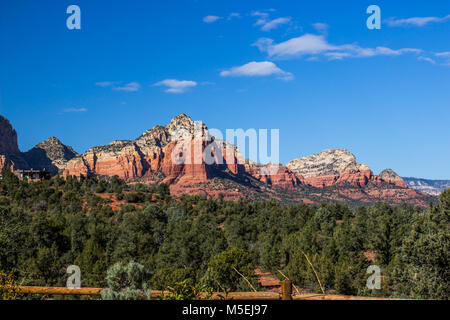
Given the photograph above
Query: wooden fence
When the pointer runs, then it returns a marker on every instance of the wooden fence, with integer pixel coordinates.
(286, 294)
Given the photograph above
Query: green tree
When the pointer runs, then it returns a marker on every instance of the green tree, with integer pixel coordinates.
(222, 272)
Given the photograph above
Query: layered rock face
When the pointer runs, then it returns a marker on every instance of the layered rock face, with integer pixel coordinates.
(390, 176)
(183, 151)
(339, 167)
(184, 155)
(177, 150)
(275, 175)
(326, 163)
(51, 155)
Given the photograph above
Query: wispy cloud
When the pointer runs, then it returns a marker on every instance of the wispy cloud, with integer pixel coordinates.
(115, 85)
(316, 45)
(211, 19)
(104, 84)
(267, 25)
(427, 59)
(257, 69)
(321, 27)
(443, 58)
(176, 86)
(259, 14)
(415, 21)
(68, 110)
(443, 54)
(234, 15)
(129, 87)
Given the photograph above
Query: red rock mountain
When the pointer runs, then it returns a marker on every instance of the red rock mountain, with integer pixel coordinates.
(173, 154)
(184, 155)
(339, 167)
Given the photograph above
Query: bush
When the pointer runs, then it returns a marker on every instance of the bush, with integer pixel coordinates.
(135, 197)
(127, 282)
(8, 287)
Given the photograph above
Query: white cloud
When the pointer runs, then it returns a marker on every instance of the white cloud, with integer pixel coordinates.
(257, 69)
(176, 86)
(75, 110)
(421, 58)
(105, 83)
(443, 54)
(306, 44)
(415, 21)
(321, 27)
(259, 14)
(317, 45)
(273, 24)
(267, 24)
(443, 58)
(129, 87)
(211, 19)
(234, 15)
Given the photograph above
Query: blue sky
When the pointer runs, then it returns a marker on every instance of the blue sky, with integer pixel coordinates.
(309, 68)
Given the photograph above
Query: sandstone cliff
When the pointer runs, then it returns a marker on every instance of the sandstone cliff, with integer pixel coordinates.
(184, 155)
(390, 176)
(172, 150)
(340, 167)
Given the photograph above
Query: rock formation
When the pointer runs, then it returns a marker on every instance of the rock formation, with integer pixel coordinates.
(326, 163)
(8, 137)
(50, 155)
(9, 150)
(433, 187)
(175, 150)
(339, 167)
(184, 155)
(390, 176)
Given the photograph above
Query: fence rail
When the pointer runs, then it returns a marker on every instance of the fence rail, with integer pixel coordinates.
(285, 295)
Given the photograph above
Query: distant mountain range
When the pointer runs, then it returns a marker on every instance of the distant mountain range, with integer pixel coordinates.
(332, 175)
(433, 187)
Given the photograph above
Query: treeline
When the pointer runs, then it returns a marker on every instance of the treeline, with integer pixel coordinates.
(49, 225)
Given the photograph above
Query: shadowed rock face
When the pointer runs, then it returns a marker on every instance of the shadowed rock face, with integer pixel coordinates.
(50, 155)
(8, 137)
(9, 149)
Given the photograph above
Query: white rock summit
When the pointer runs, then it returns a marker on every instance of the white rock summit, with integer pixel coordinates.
(328, 162)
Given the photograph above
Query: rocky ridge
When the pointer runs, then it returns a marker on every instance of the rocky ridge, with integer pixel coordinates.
(433, 187)
(170, 154)
(51, 155)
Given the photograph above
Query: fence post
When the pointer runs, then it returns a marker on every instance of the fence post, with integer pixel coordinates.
(286, 290)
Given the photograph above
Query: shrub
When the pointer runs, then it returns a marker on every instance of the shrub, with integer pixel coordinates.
(127, 282)
(8, 287)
